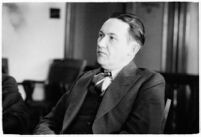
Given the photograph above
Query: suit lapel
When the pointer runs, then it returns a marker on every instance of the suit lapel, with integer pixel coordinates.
(117, 90)
(77, 98)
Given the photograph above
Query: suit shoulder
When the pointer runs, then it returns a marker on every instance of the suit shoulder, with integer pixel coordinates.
(153, 76)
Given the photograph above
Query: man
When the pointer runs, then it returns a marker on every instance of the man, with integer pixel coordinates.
(131, 100)
(15, 112)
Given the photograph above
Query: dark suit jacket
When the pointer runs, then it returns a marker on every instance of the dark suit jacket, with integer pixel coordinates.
(133, 103)
(15, 112)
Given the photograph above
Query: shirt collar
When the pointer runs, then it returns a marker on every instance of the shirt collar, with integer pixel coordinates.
(115, 73)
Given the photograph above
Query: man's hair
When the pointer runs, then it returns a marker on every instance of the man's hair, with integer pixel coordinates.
(136, 27)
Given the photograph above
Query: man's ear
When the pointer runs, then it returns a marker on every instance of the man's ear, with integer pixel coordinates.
(135, 47)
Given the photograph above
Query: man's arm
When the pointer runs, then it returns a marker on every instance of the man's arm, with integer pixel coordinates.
(52, 123)
(146, 115)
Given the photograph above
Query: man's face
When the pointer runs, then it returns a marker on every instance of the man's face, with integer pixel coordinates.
(113, 44)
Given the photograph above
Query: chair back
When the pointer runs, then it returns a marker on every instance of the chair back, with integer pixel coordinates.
(66, 70)
(5, 66)
(62, 74)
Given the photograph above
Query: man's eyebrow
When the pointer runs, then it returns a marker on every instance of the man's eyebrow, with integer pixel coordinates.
(110, 33)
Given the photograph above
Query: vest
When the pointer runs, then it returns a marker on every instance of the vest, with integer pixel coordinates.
(82, 123)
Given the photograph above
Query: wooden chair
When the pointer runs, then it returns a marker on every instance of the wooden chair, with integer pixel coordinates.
(62, 75)
(183, 90)
(165, 113)
(5, 65)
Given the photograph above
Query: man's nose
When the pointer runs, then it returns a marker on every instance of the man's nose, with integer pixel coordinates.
(102, 42)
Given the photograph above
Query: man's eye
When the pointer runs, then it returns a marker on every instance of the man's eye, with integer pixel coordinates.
(100, 35)
(111, 37)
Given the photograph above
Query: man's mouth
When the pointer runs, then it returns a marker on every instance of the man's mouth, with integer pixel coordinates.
(101, 52)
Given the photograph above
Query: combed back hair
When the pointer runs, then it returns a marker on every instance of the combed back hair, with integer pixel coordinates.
(136, 27)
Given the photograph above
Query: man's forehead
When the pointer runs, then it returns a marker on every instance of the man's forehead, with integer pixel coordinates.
(114, 26)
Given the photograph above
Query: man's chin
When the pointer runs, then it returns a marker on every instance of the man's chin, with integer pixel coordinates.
(102, 62)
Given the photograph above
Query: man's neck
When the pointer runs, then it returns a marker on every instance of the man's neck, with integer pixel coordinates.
(116, 71)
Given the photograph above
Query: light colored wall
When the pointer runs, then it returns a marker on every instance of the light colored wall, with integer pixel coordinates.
(30, 39)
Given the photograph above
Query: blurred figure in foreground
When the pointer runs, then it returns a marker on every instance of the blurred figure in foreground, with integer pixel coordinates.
(15, 112)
